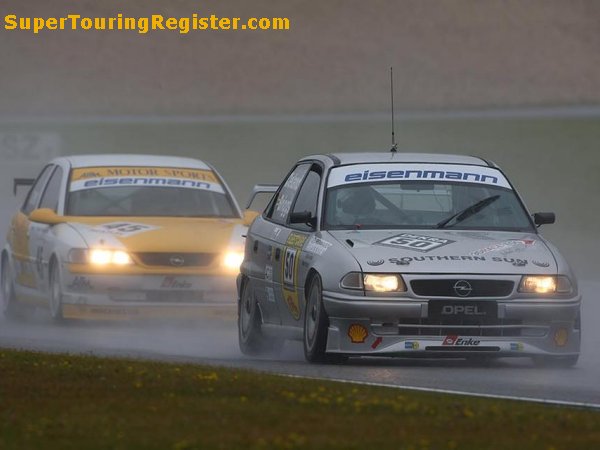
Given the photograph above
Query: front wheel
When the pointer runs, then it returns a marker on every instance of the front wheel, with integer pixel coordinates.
(55, 300)
(316, 324)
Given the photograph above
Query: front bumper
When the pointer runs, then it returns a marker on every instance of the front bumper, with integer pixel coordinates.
(524, 327)
(97, 296)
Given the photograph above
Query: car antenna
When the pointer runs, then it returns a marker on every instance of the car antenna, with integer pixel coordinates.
(394, 148)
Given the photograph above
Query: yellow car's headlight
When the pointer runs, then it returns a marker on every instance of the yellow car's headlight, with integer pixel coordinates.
(233, 260)
(100, 257)
(543, 284)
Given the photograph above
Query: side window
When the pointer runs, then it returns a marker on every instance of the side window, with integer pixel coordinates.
(36, 190)
(281, 204)
(308, 196)
(52, 192)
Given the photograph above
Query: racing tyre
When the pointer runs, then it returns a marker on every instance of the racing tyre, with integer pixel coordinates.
(251, 340)
(556, 361)
(55, 299)
(316, 323)
(10, 308)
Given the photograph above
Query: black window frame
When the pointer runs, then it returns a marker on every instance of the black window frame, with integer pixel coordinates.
(54, 172)
(47, 167)
(299, 227)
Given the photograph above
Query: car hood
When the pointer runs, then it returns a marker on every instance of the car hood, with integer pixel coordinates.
(141, 234)
(446, 251)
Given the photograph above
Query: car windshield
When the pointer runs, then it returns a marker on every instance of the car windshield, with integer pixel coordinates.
(392, 196)
(147, 192)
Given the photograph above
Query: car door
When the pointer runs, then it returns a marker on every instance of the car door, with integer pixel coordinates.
(263, 244)
(290, 276)
(19, 237)
(41, 235)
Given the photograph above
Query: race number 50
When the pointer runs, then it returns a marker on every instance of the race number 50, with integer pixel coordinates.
(289, 266)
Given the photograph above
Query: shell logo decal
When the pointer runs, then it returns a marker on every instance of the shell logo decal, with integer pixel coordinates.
(357, 333)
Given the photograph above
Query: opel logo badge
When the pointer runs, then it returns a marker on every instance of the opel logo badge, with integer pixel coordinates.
(177, 260)
(463, 288)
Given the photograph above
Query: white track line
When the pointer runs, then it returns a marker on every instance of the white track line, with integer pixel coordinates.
(453, 392)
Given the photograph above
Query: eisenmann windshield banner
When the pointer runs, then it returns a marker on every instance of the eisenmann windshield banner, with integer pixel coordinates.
(374, 173)
(107, 177)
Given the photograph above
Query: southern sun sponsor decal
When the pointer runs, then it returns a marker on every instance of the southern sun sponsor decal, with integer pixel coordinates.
(416, 242)
(457, 341)
(406, 260)
(124, 229)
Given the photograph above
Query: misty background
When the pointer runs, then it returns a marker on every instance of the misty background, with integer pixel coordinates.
(516, 82)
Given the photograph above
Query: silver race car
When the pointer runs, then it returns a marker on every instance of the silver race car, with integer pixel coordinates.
(389, 254)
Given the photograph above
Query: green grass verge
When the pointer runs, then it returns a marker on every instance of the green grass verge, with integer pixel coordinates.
(64, 401)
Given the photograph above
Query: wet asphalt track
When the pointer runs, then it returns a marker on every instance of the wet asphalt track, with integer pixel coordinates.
(215, 342)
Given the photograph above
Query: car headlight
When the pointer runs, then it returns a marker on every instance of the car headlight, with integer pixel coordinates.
(100, 257)
(383, 282)
(374, 282)
(543, 284)
(233, 260)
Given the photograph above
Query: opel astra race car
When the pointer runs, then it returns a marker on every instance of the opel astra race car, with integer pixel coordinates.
(405, 254)
(124, 236)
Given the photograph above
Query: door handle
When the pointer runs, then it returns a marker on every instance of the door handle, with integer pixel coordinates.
(255, 246)
(277, 254)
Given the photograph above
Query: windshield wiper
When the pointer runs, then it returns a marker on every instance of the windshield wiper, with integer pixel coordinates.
(469, 211)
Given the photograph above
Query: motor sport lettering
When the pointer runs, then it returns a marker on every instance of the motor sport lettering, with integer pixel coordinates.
(457, 341)
(106, 177)
(415, 242)
(394, 172)
(289, 272)
(124, 229)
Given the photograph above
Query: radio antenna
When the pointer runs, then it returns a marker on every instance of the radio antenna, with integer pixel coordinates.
(394, 148)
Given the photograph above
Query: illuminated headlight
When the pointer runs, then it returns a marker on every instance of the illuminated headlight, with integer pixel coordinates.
(374, 282)
(233, 260)
(383, 282)
(100, 257)
(535, 284)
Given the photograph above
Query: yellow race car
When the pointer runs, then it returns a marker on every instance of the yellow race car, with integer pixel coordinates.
(123, 236)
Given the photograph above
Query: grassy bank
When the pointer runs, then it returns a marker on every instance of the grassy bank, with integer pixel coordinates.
(64, 401)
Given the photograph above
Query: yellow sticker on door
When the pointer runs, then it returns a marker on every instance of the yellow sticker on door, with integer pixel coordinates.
(289, 272)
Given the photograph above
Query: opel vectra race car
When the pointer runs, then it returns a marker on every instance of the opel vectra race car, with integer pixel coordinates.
(405, 254)
(112, 236)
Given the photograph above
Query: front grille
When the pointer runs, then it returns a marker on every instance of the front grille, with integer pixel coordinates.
(446, 288)
(164, 296)
(467, 327)
(176, 259)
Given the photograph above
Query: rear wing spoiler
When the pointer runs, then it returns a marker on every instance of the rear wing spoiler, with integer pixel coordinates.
(22, 182)
(261, 189)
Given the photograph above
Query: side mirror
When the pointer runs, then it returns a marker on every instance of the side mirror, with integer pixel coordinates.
(544, 218)
(46, 216)
(304, 217)
(249, 217)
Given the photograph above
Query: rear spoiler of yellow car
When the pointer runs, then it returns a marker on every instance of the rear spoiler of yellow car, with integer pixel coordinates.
(22, 182)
